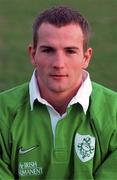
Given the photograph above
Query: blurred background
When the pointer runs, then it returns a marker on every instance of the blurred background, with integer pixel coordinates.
(16, 18)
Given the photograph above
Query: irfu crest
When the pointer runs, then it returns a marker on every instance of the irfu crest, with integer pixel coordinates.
(85, 147)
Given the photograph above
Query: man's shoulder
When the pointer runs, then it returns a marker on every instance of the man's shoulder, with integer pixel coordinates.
(14, 96)
(103, 96)
(99, 89)
(103, 110)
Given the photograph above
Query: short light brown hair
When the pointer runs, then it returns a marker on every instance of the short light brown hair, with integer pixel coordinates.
(60, 16)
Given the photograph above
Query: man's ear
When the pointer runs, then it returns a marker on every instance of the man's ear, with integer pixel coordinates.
(87, 57)
(31, 52)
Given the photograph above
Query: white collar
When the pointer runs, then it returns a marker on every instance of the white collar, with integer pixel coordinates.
(82, 96)
(84, 92)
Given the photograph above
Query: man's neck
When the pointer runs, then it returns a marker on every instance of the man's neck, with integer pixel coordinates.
(59, 101)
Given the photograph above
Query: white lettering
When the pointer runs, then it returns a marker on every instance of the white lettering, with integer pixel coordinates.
(29, 168)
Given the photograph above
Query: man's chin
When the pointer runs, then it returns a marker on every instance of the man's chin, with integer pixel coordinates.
(58, 89)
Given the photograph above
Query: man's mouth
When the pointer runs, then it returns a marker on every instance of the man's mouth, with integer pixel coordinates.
(58, 76)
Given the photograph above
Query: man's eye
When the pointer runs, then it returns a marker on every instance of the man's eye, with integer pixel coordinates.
(47, 50)
(71, 51)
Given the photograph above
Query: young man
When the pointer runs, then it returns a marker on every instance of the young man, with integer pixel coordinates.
(60, 125)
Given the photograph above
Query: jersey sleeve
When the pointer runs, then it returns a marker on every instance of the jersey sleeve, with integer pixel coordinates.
(4, 171)
(108, 168)
(5, 167)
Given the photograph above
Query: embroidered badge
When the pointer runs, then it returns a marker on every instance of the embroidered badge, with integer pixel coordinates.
(84, 147)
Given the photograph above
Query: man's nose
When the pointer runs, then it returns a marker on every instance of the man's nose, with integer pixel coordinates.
(59, 60)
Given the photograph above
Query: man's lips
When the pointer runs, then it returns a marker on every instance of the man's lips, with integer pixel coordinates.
(57, 76)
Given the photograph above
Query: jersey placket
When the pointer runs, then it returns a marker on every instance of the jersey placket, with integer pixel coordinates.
(60, 147)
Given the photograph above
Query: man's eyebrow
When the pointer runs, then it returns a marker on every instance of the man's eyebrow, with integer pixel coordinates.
(45, 46)
(66, 48)
(72, 47)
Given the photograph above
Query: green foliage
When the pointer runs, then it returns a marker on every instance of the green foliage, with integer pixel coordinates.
(16, 18)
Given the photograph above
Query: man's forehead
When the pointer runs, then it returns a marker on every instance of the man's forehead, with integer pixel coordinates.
(51, 33)
(45, 27)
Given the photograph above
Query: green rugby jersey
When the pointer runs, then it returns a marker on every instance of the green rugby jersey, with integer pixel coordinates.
(84, 148)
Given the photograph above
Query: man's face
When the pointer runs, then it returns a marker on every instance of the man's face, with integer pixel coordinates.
(59, 58)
